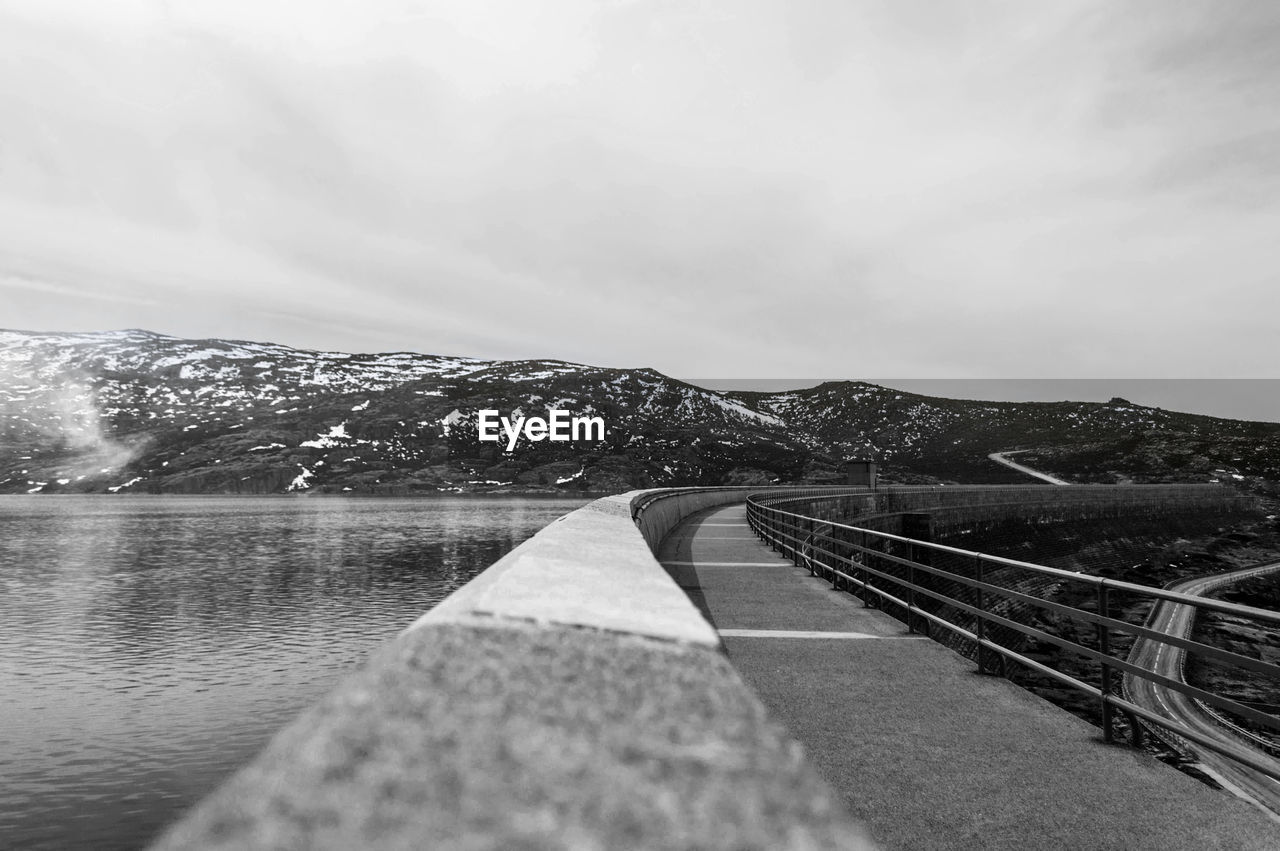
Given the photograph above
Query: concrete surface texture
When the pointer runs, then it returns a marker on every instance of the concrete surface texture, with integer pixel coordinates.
(658, 512)
(592, 568)
(464, 737)
(569, 697)
(925, 751)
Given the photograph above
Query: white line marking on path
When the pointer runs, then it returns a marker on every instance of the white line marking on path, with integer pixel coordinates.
(729, 563)
(801, 633)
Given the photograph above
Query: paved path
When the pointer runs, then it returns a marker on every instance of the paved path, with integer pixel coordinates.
(924, 750)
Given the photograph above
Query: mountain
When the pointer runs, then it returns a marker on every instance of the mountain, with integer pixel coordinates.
(134, 411)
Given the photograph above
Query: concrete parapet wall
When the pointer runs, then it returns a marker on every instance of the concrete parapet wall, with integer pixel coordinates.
(570, 696)
(591, 568)
(658, 512)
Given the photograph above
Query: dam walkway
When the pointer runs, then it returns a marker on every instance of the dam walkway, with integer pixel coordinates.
(922, 749)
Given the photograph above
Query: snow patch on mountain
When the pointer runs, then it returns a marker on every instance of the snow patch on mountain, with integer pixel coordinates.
(301, 481)
(336, 436)
(744, 411)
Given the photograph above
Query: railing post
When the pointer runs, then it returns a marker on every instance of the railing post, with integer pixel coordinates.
(812, 558)
(919, 527)
(844, 549)
(835, 560)
(866, 576)
(835, 552)
(981, 627)
(1136, 736)
(911, 591)
(833, 555)
(797, 539)
(1104, 647)
(794, 535)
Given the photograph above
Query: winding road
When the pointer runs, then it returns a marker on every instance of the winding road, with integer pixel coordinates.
(1002, 458)
(1177, 619)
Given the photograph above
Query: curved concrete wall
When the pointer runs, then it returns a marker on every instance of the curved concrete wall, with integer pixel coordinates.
(656, 513)
(569, 696)
(659, 511)
(591, 568)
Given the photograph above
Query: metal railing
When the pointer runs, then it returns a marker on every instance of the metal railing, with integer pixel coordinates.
(982, 606)
(1123, 498)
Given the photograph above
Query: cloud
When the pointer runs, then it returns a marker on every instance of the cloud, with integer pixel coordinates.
(748, 188)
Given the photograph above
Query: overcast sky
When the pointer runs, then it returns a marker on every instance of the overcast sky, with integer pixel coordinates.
(728, 189)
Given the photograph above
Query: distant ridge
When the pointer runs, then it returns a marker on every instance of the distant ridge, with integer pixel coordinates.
(135, 411)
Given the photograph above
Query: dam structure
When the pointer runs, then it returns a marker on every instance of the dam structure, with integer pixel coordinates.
(799, 668)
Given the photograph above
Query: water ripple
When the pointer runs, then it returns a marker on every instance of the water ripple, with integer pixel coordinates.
(149, 646)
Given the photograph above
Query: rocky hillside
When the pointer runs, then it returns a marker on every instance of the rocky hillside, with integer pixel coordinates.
(134, 411)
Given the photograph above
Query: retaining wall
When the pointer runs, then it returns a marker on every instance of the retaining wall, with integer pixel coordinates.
(569, 696)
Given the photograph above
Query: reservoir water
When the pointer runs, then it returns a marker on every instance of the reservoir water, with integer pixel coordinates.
(151, 645)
